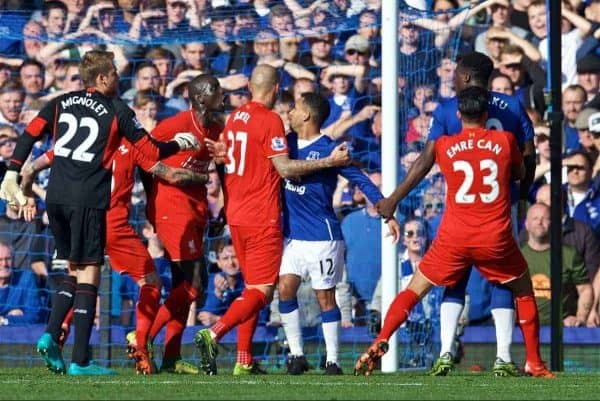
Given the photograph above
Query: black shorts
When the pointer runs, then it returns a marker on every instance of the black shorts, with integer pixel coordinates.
(79, 233)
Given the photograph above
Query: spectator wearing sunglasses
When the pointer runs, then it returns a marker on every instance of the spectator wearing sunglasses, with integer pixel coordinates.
(583, 196)
(433, 207)
(415, 242)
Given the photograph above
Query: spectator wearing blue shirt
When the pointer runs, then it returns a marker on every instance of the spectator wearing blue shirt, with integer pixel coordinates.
(225, 56)
(12, 24)
(574, 96)
(223, 287)
(20, 302)
(25, 238)
(583, 194)
(266, 49)
(361, 230)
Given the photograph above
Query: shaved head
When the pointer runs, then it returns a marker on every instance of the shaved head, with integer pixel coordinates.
(263, 80)
(206, 97)
(202, 86)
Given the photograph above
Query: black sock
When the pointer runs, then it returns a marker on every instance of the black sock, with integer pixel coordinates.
(62, 301)
(83, 320)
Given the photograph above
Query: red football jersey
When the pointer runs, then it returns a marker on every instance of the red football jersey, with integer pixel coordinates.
(477, 164)
(123, 168)
(254, 134)
(188, 198)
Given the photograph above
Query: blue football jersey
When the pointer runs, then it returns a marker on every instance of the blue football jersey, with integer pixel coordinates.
(505, 113)
(308, 213)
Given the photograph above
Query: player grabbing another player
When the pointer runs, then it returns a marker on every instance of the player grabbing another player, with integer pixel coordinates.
(505, 113)
(257, 158)
(476, 228)
(87, 126)
(179, 215)
(125, 250)
(313, 237)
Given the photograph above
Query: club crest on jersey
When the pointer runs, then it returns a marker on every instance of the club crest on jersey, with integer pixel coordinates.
(278, 143)
(313, 155)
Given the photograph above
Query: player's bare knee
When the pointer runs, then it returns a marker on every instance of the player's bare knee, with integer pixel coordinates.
(326, 298)
(288, 286)
(521, 286)
(88, 274)
(419, 284)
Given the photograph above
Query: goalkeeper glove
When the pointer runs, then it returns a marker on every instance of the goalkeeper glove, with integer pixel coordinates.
(10, 190)
(186, 140)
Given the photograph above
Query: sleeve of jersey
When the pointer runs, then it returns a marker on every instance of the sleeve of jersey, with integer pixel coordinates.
(274, 142)
(42, 124)
(515, 153)
(356, 176)
(526, 124)
(131, 129)
(144, 162)
(165, 130)
(436, 124)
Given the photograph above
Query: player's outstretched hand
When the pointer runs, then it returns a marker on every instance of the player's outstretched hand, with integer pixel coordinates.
(186, 141)
(393, 230)
(340, 156)
(29, 210)
(11, 192)
(386, 207)
(217, 149)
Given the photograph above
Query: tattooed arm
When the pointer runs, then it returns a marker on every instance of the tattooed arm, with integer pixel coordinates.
(288, 168)
(178, 176)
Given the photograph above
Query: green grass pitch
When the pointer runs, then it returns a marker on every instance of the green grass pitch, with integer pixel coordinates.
(37, 383)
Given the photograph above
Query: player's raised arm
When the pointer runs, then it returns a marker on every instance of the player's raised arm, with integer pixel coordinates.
(373, 194)
(518, 169)
(307, 115)
(387, 206)
(143, 142)
(288, 168)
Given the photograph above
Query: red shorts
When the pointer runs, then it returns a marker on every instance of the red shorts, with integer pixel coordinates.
(259, 251)
(445, 264)
(181, 237)
(126, 252)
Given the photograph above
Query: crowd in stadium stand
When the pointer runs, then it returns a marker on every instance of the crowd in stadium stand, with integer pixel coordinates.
(334, 48)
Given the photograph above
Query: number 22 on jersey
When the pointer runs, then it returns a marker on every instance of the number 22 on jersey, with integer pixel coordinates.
(236, 158)
(80, 153)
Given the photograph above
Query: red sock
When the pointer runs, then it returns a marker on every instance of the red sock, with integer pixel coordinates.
(145, 312)
(398, 313)
(69, 318)
(244, 340)
(173, 335)
(243, 308)
(529, 321)
(176, 301)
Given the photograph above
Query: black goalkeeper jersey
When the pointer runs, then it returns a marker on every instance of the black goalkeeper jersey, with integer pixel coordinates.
(87, 128)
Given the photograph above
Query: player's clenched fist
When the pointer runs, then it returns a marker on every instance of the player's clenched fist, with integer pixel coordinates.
(386, 207)
(217, 149)
(10, 190)
(186, 141)
(340, 156)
